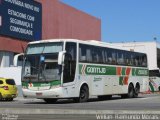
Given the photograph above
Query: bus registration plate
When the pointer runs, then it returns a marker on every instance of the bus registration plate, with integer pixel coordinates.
(38, 94)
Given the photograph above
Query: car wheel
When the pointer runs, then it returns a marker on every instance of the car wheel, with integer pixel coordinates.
(10, 99)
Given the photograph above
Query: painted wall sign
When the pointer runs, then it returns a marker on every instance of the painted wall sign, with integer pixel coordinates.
(21, 19)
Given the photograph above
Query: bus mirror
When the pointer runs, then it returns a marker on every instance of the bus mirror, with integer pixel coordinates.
(16, 57)
(61, 57)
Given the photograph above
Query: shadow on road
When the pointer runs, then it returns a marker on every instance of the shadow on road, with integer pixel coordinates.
(71, 101)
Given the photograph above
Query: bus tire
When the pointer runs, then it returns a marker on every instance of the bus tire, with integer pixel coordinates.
(124, 96)
(130, 91)
(50, 100)
(76, 100)
(84, 94)
(105, 97)
(136, 91)
(159, 88)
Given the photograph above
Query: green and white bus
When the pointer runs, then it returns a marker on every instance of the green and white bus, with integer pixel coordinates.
(75, 69)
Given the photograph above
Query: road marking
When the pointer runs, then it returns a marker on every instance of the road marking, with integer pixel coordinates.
(73, 111)
(143, 98)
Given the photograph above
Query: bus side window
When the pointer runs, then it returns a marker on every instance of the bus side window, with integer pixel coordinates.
(94, 55)
(88, 54)
(128, 58)
(105, 56)
(114, 57)
(108, 56)
(82, 53)
(136, 62)
(100, 55)
(70, 62)
(144, 61)
(83, 58)
(85, 53)
(120, 58)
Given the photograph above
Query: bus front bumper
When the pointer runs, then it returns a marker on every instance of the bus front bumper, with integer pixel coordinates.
(51, 93)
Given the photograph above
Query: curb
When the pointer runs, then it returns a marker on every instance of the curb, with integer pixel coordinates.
(70, 111)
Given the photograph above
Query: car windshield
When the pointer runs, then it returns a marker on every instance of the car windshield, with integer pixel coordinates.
(10, 82)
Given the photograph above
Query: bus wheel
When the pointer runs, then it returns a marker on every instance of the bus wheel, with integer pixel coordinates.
(84, 94)
(136, 91)
(159, 88)
(50, 100)
(130, 91)
(124, 96)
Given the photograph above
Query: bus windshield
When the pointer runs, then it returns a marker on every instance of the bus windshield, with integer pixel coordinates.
(41, 62)
(43, 48)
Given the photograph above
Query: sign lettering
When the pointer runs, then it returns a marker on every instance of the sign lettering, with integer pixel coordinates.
(21, 19)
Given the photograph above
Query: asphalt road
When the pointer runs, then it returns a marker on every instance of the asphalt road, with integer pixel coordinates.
(34, 109)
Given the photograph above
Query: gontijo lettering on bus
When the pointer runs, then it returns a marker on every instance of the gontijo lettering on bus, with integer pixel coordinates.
(111, 70)
(98, 70)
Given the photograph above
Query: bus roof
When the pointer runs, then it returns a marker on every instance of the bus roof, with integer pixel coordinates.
(88, 42)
